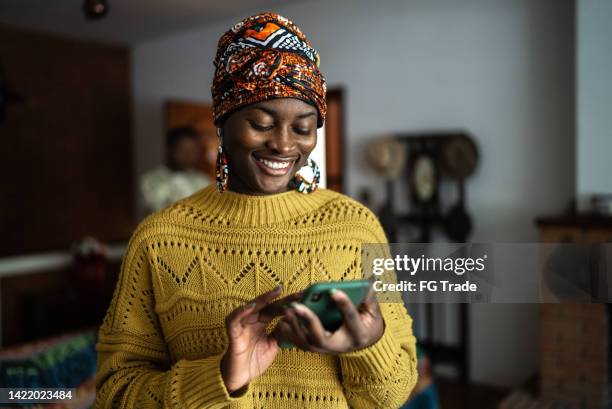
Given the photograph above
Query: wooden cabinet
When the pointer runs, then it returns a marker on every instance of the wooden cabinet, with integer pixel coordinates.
(575, 338)
(47, 303)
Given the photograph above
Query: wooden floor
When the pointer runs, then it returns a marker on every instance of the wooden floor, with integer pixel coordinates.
(454, 395)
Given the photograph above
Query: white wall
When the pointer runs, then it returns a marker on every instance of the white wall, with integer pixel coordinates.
(594, 98)
(501, 69)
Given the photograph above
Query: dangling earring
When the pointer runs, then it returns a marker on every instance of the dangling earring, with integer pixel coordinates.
(307, 179)
(222, 170)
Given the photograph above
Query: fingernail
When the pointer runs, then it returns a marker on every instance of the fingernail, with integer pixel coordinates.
(293, 304)
(251, 305)
(333, 291)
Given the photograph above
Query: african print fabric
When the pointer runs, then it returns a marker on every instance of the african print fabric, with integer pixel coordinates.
(263, 57)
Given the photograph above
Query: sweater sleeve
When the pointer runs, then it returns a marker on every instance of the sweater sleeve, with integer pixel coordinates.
(135, 369)
(383, 374)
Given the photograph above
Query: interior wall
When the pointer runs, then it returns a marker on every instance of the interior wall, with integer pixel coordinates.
(594, 99)
(500, 69)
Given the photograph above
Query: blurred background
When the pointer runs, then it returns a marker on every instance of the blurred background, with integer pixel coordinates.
(466, 121)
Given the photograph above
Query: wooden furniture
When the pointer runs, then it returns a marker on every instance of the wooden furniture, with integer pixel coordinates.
(50, 302)
(575, 338)
(335, 151)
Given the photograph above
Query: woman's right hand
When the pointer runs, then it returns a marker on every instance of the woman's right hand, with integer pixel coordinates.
(251, 350)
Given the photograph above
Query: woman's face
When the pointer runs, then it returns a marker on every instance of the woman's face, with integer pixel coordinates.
(267, 143)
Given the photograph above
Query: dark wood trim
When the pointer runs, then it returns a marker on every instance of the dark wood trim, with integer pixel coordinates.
(335, 151)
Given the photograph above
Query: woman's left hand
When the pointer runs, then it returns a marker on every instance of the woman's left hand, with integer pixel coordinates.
(363, 325)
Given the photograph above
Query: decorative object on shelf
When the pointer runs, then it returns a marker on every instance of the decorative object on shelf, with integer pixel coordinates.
(459, 156)
(432, 159)
(423, 178)
(387, 157)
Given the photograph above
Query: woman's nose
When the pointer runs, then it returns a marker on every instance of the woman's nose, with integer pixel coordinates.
(282, 141)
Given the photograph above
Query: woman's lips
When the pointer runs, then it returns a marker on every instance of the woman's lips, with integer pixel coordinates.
(274, 167)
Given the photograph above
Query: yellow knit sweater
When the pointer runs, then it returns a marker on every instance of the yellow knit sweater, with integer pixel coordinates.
(188, 266)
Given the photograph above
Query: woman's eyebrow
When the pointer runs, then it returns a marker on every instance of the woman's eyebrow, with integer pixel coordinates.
(266, 110)
(307, 114)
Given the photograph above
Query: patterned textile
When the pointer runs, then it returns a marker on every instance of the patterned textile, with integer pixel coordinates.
(263, 57)
(67, 361)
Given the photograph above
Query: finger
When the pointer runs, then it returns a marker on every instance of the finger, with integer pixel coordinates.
(278, 307)
(272, 339)
(369, 303)
(266, 298)
(370, 296)
(292, 330)
(237, 317)
(298, 332)
(350, 314)
(278, 333)
(283, 332)
(314, 331)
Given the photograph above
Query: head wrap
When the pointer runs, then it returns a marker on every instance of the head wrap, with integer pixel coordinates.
(263, 57)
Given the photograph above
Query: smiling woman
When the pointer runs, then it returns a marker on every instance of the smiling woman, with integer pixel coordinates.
(267, 143)
(210, 285)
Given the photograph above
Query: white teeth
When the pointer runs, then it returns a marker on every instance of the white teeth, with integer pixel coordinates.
(274, 165)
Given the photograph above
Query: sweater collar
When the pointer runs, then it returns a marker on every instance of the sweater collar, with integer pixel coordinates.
(242, 209)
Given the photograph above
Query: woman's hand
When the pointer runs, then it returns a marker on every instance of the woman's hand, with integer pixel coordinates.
(363, 326)
(250, 350)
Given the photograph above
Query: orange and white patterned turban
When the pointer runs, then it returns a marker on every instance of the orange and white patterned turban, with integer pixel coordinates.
(263, 57)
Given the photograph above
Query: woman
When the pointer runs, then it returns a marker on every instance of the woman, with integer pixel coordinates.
(200, 304)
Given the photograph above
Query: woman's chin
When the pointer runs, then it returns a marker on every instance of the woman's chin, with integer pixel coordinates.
(273, 185)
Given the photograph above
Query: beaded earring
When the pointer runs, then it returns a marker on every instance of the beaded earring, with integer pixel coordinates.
(222, 170)
(307, 179)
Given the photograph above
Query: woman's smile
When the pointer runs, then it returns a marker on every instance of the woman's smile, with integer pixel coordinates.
(274, 166)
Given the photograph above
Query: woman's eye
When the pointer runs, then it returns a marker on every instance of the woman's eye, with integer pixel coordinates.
(260, 127)
(303, 131)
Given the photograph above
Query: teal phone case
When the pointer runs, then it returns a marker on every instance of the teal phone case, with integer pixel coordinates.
(317, 298)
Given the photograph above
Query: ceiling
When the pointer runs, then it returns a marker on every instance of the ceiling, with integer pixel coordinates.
(128, 21)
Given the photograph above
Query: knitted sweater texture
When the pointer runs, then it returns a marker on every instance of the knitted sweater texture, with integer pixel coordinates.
(188, 266)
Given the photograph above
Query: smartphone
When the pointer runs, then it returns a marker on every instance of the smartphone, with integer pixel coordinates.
(317, 298)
